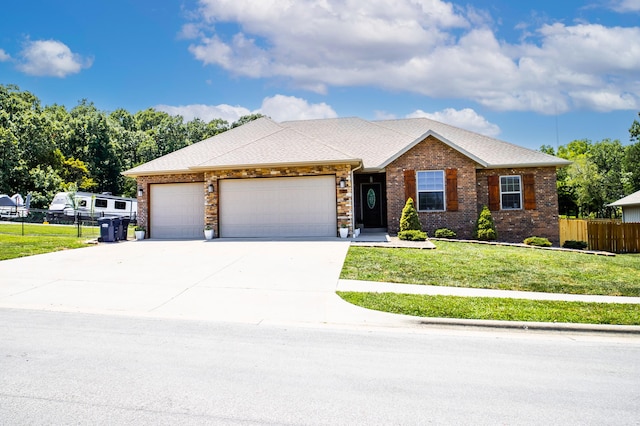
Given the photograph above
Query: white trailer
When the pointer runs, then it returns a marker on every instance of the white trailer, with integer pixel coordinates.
(85, 205)
(14, 206)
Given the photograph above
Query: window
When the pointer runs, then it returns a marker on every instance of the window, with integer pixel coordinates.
(510, 192)
(101, 202)
(121, 205)
(431, 190)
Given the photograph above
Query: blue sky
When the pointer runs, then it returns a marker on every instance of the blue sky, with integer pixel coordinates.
(531, 73)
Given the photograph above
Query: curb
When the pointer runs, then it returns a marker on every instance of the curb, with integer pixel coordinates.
(534, 326)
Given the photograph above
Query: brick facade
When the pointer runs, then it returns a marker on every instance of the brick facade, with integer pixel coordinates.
(512, 225)
(344, 196)
(431, 154)
(516, 225)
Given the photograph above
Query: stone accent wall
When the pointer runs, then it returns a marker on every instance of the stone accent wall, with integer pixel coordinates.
(344, 196)
(144, 182)
(431, 154)
(516, 225)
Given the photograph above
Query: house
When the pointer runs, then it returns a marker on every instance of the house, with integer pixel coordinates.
(630, 207)
(307, 178)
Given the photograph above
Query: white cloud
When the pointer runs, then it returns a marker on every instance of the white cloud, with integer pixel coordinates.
(283, 108)
(278, 107)
(4, 56)
(51, 58)
(429, 47)
(465, 119)
(205, 112)
(624, 6)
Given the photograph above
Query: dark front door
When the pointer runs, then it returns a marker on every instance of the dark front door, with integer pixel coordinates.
(371, 196)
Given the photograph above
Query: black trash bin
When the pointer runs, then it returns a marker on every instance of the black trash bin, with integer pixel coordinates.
(124, 226)
(107, 229)
(117, 226)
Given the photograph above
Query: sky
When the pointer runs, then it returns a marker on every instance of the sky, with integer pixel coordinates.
(529, 72)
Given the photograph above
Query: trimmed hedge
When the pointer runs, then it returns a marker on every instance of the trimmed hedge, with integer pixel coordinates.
(537, 241)
(576, 245)
(444, 233)
(412, 235)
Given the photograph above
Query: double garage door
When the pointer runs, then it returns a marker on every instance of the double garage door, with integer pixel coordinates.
(259, 207)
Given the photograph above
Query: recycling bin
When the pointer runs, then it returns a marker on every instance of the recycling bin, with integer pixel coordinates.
(107, 229)
(124, 227)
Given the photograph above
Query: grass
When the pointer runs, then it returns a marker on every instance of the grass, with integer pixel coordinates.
(52, 230)
(487, 308)
(12, 246)
(497, 267)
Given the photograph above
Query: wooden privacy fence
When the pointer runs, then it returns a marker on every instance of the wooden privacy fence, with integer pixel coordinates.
(615, 237)
(605, 235)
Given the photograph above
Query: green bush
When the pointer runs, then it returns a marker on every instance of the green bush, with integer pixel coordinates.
(576, 245)
(409, 221)
(444, 233)
(412, 235)
(485, 228)
(537, 241)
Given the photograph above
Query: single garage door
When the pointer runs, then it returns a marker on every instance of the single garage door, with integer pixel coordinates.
(278, 207)
(177, 210)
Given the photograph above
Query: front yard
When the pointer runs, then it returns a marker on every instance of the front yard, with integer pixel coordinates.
(497, 267)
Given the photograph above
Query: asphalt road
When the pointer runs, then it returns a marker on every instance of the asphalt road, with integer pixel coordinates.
(65, 368)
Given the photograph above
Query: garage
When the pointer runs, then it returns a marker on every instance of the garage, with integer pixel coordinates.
(176, 210)
(278, 207)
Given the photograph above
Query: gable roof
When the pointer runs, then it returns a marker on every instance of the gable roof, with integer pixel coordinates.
(629, 200)
(372, 144)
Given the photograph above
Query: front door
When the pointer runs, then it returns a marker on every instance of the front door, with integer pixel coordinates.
(371, 196)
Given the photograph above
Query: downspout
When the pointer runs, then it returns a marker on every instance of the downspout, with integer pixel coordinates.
(353, 201)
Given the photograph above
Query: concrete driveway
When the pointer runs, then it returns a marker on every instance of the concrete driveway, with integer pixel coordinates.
(223, 280)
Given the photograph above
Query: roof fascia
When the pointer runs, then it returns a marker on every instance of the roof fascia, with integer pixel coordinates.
(438, 137)
(353, 161)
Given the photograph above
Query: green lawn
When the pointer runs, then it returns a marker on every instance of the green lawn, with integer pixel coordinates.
(12, 246)
(16, 228)
(487, 308)
(497, 267)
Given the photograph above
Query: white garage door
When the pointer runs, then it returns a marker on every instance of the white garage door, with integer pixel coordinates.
(177, 210)
(278, 207)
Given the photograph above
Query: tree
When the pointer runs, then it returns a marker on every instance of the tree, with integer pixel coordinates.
(245, 119)
(409, 221)
(485, 229)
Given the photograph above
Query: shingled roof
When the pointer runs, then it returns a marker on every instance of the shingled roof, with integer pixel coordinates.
(372, 144)
(629, 200)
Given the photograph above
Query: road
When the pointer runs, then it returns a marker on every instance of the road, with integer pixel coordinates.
(65, 368)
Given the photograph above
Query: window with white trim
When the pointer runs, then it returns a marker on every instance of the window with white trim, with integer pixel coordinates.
(510, 193)
(430, 185)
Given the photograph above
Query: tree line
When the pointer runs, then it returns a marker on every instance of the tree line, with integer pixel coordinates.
(49, 149)
(600, 173)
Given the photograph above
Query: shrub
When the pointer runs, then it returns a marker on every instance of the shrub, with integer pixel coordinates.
(412, 235)
(445, 233)
(576, 245)
(485, 228)
(537, 241)
(409, 221)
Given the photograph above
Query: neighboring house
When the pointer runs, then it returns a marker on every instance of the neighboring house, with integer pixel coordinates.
(630, 207)
(307, 178)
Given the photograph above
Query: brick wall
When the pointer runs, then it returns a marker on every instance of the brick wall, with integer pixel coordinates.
(344, 196)
(516, 225)
(431, 154)
(473, 194)
(145, 181)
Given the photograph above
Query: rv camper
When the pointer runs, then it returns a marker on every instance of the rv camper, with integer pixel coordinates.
(87, 206)
(14, 206)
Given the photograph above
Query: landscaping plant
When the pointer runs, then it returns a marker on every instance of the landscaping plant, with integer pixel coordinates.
(576, 245)
(537, 241)
(485, 228)
(444, 233)
(410, 226)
